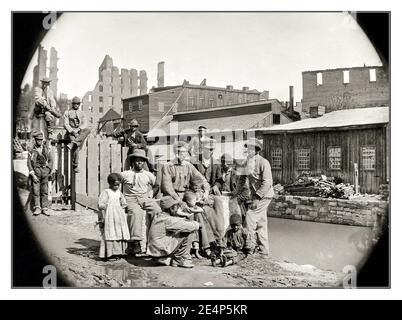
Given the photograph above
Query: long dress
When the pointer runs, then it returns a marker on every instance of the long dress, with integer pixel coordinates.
(115, 233)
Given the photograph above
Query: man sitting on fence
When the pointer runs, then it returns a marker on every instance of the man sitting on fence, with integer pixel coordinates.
(134, 139)
(75, 122)
(45, 106)
(138, 187)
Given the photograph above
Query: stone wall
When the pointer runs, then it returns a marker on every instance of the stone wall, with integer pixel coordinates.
(367, 213)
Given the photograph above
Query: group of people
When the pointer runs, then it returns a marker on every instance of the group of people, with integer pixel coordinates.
(177, 212)
(172, 212)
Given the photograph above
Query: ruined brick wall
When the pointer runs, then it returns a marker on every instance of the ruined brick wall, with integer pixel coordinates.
(337, 211)
(335, 95)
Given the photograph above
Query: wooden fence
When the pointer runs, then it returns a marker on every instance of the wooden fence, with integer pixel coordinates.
(98, 158)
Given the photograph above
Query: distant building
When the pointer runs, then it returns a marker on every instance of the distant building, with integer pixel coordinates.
(149, 109)
(345, 88)
(332, 145)
(112, 86)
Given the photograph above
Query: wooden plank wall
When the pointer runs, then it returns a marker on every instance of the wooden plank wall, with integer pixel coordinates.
(350, 141)
(98, 158)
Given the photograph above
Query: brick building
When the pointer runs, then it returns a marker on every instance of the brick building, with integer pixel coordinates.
(345, 88)
(149, 109)
(112, 86)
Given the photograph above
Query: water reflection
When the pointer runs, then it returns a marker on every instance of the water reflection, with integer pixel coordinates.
(325, 246)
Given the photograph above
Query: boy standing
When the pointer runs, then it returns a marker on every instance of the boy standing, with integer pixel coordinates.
(137, 187)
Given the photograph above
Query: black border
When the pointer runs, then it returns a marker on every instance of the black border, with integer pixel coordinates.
(28, 260)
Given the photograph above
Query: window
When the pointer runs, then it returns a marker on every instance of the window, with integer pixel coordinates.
(91, 120)
(276, 119)
(91, 109)
(111, 89)
(319, 78)
(202, 101)
(111, 101)
(100, 88)
(130, 107)
(276, 156)
(368, 158)
(220, 96)
(161, 106)
(334, 158)
(223, 139)
(100, 109)
(211, 102)
(90, 98)
(373, 75)
(139, 105)
(240, 99)
(346, 77)
(191, 102)
(100, 99)
(303, 159)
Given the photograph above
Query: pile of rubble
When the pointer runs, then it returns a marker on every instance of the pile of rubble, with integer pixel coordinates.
(325, 187)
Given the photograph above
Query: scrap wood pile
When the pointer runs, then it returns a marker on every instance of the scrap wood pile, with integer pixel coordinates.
(325, 187)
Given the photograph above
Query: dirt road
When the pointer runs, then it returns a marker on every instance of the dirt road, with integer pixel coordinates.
(72, 242)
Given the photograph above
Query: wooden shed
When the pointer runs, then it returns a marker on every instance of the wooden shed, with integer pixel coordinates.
(333, 145)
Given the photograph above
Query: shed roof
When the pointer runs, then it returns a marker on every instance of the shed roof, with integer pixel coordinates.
(240, 122)
(335, 120)
(110, 115)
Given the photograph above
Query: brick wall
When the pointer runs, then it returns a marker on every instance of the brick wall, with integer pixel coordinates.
(335, 95)
(337, 211)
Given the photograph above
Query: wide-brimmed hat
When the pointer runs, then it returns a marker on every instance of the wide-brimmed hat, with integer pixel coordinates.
(167, 202)
(133, 122)
(227, 158)
(138, 153)
(37, 134)
(46, 79)
(253, 142)
(76, 100)
(208, 144)
(180, 146)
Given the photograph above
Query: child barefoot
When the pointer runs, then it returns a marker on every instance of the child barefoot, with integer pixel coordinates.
(204, 235)
(113, 220)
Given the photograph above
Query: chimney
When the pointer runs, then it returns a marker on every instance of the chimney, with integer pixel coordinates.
(291, 98)
(229, 87)
(161, 74)
(245, 88)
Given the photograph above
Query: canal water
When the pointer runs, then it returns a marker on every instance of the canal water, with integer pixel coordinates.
(325, 246)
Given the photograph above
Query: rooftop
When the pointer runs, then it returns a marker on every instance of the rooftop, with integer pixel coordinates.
(342, 69)
(335, 120)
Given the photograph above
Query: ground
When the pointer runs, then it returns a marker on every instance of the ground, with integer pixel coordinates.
(72, 241)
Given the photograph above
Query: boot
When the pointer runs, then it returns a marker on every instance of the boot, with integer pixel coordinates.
(185, 263)
(37, 211)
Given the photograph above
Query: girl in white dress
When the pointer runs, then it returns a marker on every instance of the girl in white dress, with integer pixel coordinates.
(113, 220)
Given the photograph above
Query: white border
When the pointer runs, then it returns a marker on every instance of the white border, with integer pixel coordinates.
(5, 233)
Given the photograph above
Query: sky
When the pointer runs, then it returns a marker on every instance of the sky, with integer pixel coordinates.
(263, 51)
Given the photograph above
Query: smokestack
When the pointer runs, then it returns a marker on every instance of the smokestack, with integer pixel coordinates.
(291, 106)
(161, 74)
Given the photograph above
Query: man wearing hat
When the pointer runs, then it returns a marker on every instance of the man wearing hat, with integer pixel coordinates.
(179, 173)
(170, 236)
(259, 177)
(209, 167)
(138, 187)
(228, 174)
(40, 164)
(75, 122)
(133, 139)
(194, 147)
(45, 105)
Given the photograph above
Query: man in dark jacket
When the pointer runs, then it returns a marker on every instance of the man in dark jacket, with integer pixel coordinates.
(40, 164)
(133, 139)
